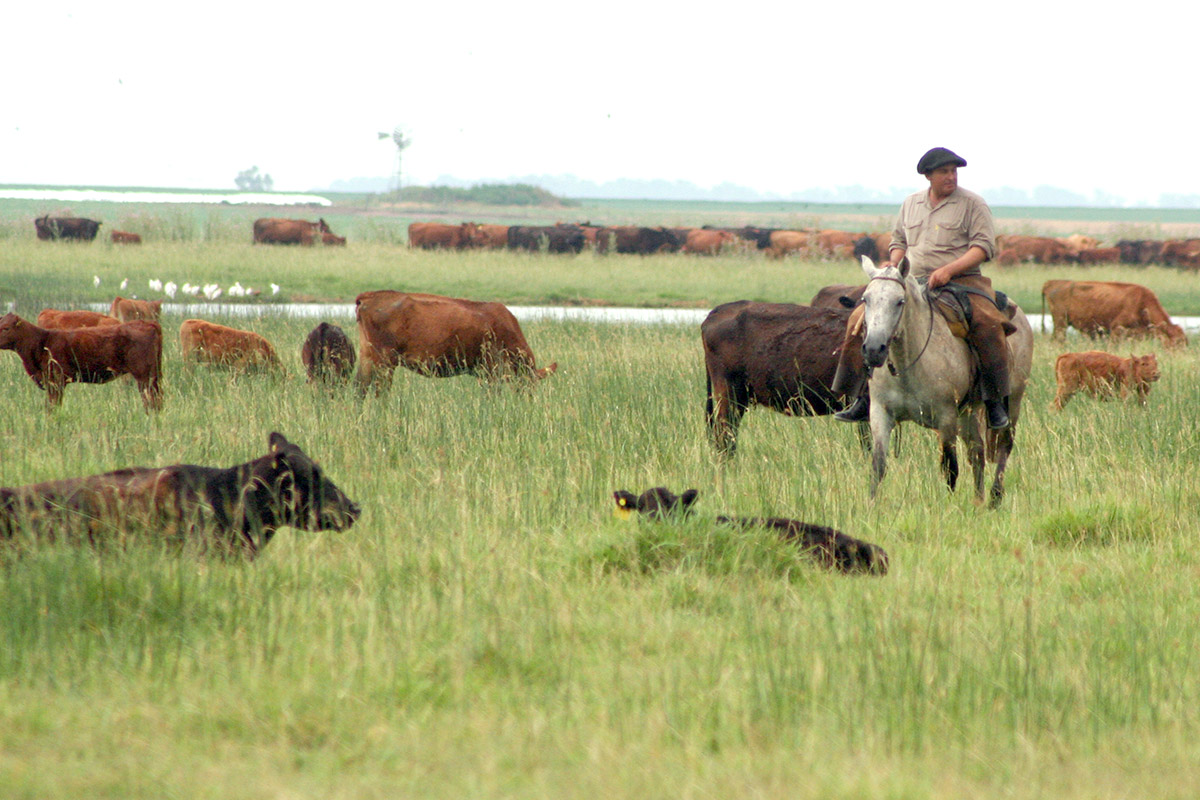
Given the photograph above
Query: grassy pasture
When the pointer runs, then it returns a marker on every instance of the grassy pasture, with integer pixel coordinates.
(489, 629)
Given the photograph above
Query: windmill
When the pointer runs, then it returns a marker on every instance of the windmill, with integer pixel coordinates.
(401, 141)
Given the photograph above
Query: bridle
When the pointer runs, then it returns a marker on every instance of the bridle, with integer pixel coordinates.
(928, 333)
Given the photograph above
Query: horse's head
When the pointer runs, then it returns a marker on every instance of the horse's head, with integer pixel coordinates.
(883, 301)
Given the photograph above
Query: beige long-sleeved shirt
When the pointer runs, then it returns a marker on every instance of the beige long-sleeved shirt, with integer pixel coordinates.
(933, 237)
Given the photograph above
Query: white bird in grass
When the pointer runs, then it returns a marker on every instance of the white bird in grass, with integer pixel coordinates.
(212, 291)
(236, 290)
(169, 289)
(95, 280)
(274, 288)
(124, 283)
(156, 284)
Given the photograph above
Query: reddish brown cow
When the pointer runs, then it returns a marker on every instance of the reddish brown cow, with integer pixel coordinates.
(1098, 308)
(778, 355)
(837, 243)
(708, 242)
(61, 320)
(1102, 375)
(209, 343)
(54, 358)
(331, 239)
(488, 237)
(1180, 253)
(1099, 255)
(124, 237)
(439, 236)
(327, 354)
(439, 337)
(1039, 249)
(126, 309)
(278, 230)
(783, 242)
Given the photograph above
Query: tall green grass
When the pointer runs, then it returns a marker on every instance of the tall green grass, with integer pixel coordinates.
(488, 628)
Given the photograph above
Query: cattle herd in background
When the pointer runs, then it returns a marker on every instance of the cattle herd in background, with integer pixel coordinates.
(707, 240)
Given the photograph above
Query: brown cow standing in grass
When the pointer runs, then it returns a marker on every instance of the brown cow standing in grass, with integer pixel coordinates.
(327, 354)
(231, 510)
(440, 236)
(79, 229)
(209, 343)
(1102, 375)
(708, 242)
(778, 355)
(125, 237)
(439, 337)
(279, 230)
(62, 320)
(783, 242)
(126, 309)
(54, 358)
(1099, 308)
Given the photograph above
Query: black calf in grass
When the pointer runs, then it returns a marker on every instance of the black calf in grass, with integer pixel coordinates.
(831, 548)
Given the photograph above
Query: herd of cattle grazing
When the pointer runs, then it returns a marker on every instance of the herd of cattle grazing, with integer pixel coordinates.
(707, 240)
(780, 356)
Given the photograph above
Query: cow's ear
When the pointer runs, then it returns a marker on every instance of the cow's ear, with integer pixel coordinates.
(868, 267)
(277, 441)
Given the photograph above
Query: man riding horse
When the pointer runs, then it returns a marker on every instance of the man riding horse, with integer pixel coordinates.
(946, 233)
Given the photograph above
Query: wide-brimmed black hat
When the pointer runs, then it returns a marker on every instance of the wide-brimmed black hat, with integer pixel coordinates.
(939, 157)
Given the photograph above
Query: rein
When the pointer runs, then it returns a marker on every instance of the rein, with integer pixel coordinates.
(928, 333)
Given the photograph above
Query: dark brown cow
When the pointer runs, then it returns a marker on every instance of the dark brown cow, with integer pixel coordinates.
(278, 230)
(209, 343)
(439, 337)
(125, 237)
(1139, 251)
(54, 358)
(708, 242)
(439, 236)
(1180, 253)
(126, 309)
(1103, 375)
(839, 295)
(327, 354)
(233, 510)
(778, 355)
(76, 228)
(61, 320)
(634, 240)
(561, 238)
(1100, 308)
(1099, 255)
(830, 548)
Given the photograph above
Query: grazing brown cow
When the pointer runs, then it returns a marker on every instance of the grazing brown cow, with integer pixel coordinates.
(279, 230)
(327, 354)
(233, 510)
(781, 243)
(1102, 375)
(125, 237)
(126, 309)
(210, 343)
(54, 358)
(708, 242)
(830, 548)
(839, 295)
(331, 239)
(60, 320)
(778, 355)
(439, 236)
(1039, 249)
(1099, 308)
(837, 243)
(439, 337)
(490, 237)
(77, 228)
(1099, 255)
(1180, 253)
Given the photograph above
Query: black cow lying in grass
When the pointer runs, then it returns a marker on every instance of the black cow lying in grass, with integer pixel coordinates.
(237, 509)
(831, 548)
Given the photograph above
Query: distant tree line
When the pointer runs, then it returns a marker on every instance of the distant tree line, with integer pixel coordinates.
(498, 194)
(250, 180)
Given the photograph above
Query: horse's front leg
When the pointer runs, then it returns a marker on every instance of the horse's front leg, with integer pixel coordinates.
(949, 461)
(881, 433)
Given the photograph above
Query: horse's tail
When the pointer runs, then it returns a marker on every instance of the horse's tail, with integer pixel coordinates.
(1043, 309)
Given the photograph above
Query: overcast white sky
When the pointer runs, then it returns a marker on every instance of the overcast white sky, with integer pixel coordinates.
(777, 97)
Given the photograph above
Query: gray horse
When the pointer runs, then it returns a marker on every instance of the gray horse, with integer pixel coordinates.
(922, 372)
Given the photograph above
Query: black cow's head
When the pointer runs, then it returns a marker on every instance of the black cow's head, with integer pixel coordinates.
(657, 502)
(293, 490)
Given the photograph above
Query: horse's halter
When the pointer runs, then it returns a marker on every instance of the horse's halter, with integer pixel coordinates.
(928, 333)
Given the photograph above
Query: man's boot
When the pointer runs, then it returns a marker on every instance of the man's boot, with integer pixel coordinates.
(860, 410)
(997, 415)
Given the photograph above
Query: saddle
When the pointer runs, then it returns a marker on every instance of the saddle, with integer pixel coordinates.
(952, 303)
